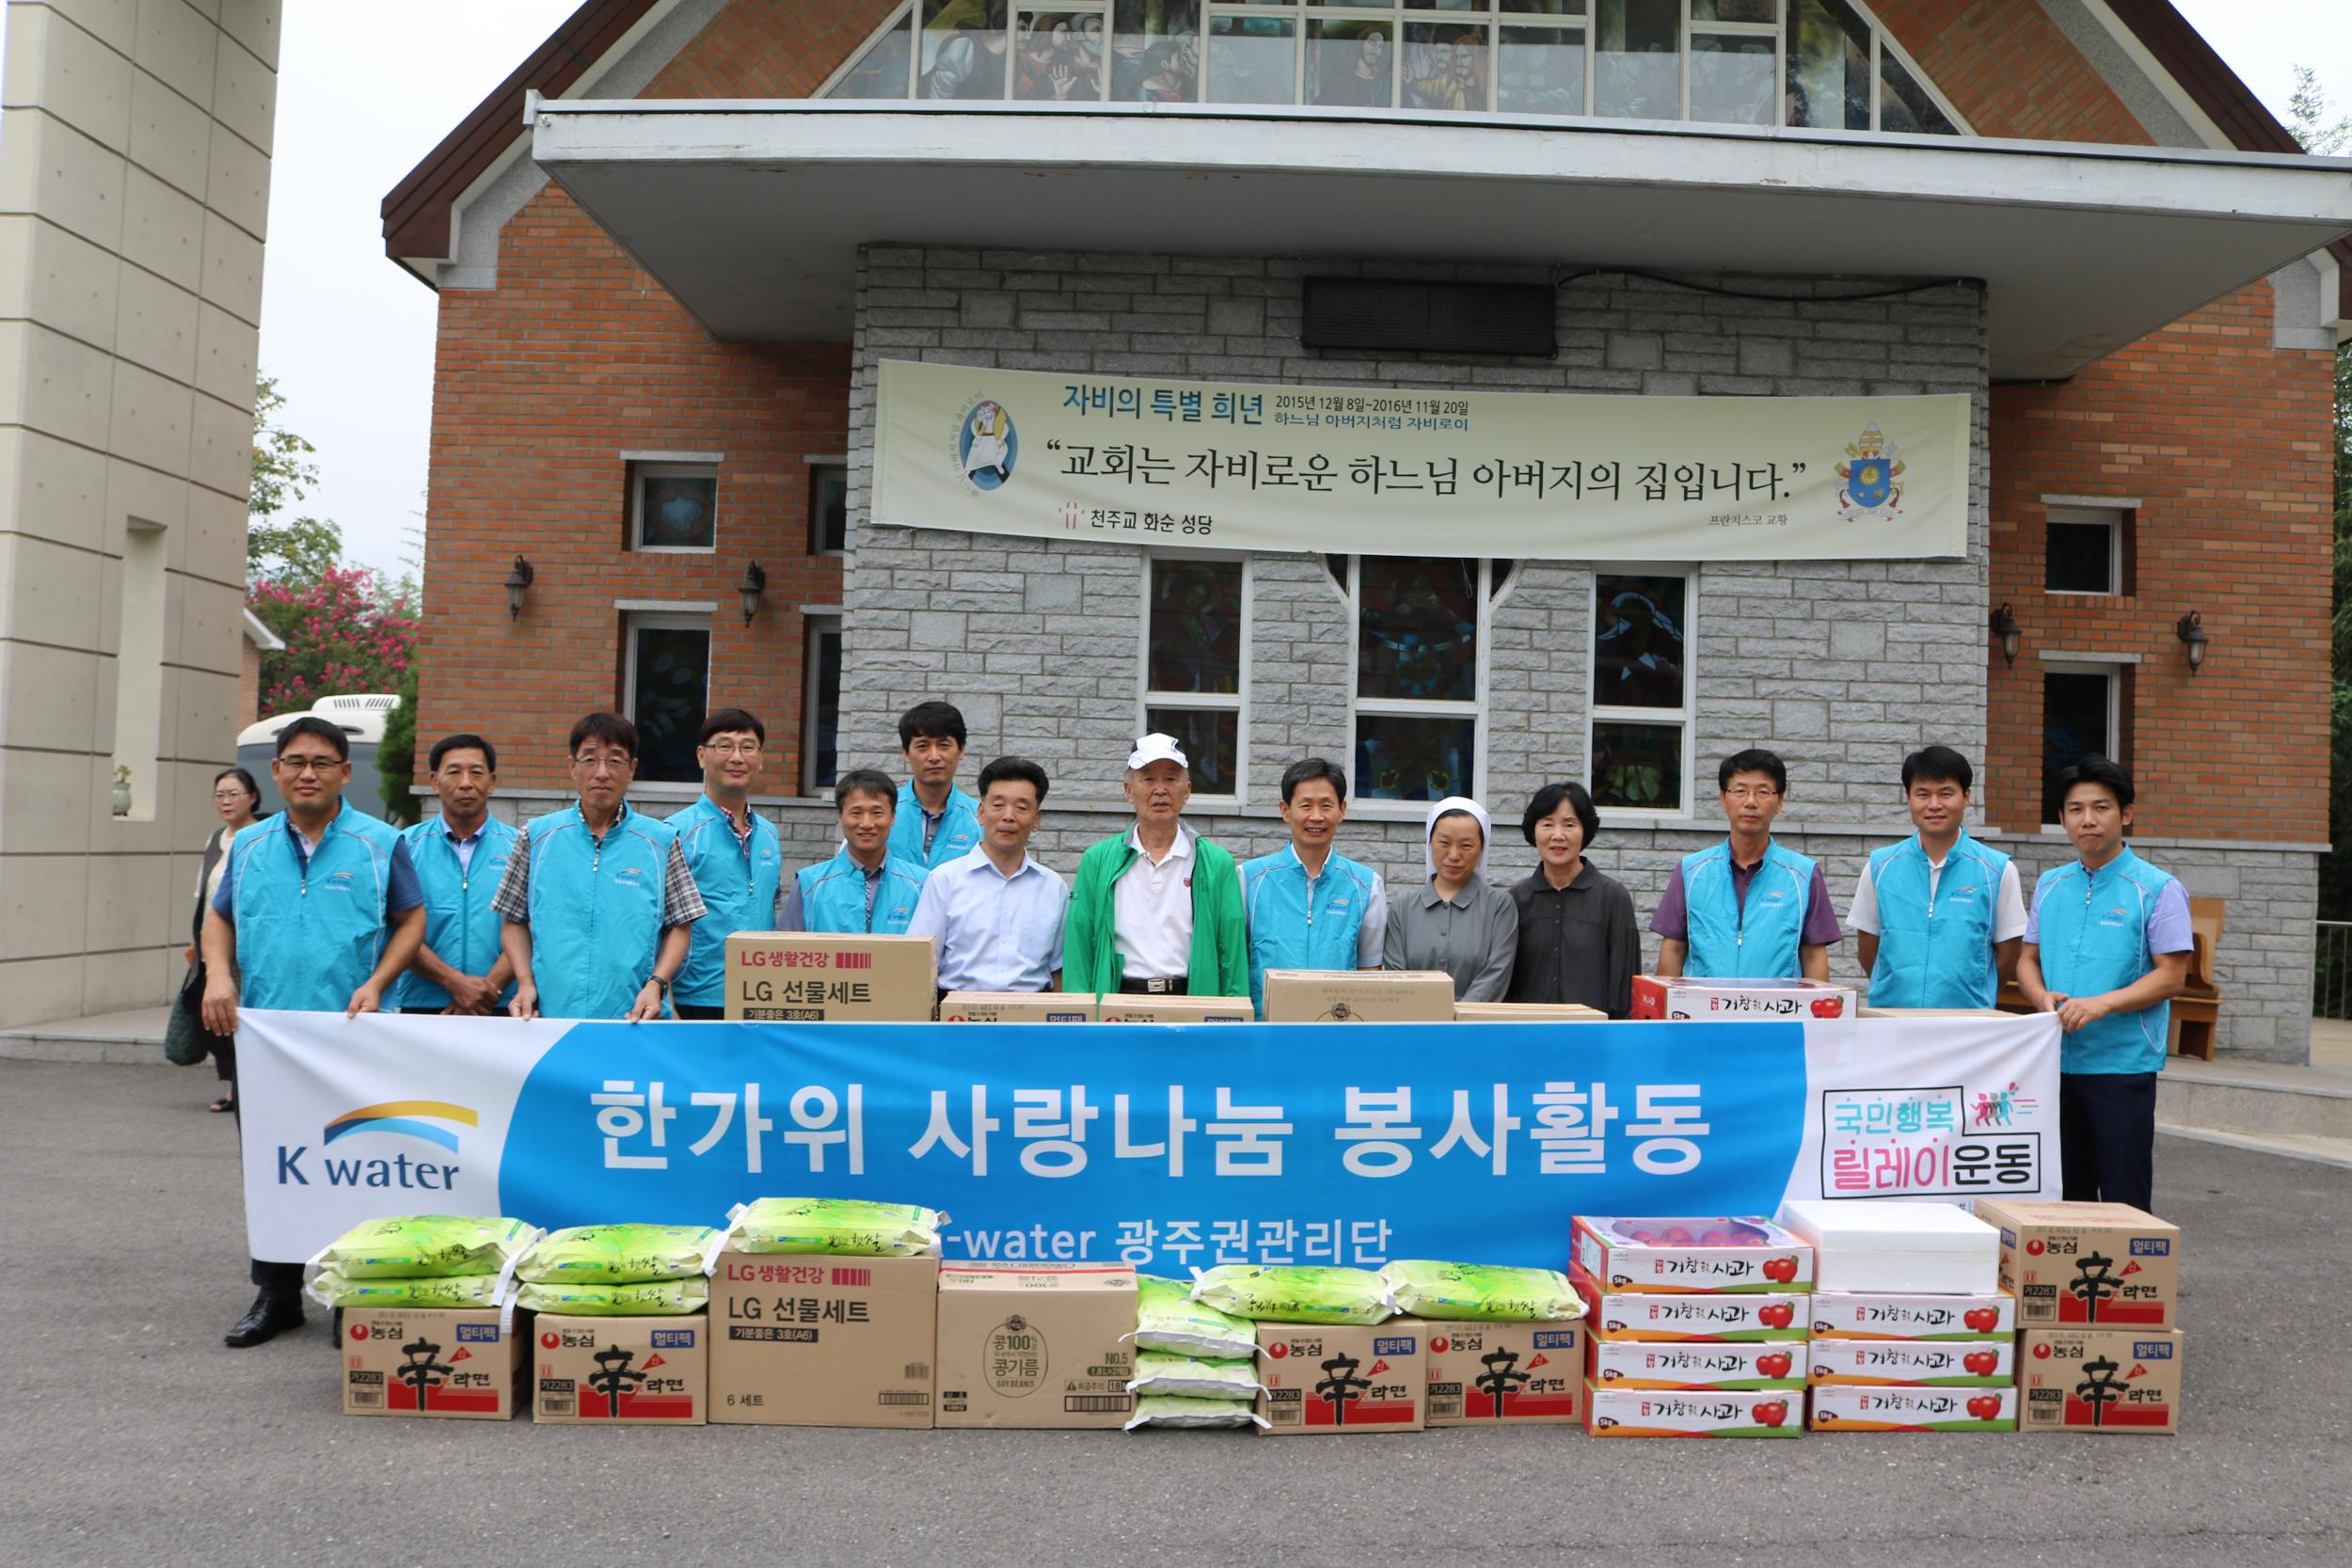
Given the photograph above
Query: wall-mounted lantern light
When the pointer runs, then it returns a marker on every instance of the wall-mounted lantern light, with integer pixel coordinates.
(2190, 629)
(516, 581)
(2007, 633)
(754, 583)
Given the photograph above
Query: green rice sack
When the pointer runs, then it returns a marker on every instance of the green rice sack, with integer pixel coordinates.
(1166, 1410)
(650, 1298)
(1167, 1318)
(1188, 1377)
(455, 1291)
(839, 1225)
(426, 1247)
(1480, 1292)
(1295, 1294)
(617, 1254)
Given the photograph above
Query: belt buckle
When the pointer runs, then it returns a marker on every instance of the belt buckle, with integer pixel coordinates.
(1158, 986)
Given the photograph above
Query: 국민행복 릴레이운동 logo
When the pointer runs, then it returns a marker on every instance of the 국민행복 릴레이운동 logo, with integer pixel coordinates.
(987, 446)
(414, 1117)
(1871, 479)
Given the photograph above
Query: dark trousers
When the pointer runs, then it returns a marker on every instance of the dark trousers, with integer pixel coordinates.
(694, 1011)
(279, 1279)
(2108, 1134)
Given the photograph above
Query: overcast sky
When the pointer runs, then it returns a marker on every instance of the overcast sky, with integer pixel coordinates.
(365, 90)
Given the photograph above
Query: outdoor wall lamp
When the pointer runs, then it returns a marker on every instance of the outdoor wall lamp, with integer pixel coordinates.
(754, 583)
(517, 581)
(2190, 629)
(2007, 633)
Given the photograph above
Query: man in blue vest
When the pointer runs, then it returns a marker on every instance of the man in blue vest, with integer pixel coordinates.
(936, 822)
(1746, 908)
(597, 900)
(2106, 950)
(1308, 906)
(318, 912)
(863, 889)
(1940, 916)
(461, 858)
(735, 854)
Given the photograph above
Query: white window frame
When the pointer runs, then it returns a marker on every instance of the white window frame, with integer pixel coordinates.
(2113, 672)
(639, 472)
(1686, 716)
(812, 626)
(1203, 701)
(2113, 518)
(1490, 599)
(635, 621)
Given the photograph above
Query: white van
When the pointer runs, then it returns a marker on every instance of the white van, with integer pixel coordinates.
(361, 719)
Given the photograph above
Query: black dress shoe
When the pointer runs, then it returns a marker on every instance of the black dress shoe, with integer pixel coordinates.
(270, 1315)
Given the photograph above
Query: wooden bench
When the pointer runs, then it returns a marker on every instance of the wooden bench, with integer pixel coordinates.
(2197, 1011)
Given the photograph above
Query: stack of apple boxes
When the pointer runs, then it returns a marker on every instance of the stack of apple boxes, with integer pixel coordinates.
(1911, 1331)
(1697, 1325)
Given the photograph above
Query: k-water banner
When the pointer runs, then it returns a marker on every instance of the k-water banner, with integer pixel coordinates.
(1168, 1147)
(1356, 470)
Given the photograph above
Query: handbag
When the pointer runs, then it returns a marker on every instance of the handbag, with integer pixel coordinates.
(185, 1040)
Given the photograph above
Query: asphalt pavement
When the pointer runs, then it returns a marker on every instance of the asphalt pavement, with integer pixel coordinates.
(129, 1434)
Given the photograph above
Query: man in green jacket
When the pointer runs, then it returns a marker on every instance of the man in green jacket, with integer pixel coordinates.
(1157, 909)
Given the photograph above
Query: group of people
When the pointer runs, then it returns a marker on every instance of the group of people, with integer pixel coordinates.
(601, 911)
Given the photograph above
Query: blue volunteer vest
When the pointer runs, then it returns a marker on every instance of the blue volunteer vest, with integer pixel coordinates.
(310, 934)
(459, 925)
(1758, 941)
(957, 835)
(596, 911)
(738, 880)
(2093, 931)
(1936, 951)
(833, 895)
(1286, 933)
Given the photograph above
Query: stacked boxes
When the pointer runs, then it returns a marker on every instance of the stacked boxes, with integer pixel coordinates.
(1035, 1344)
(399, 1361)
(1336, 1379)
(1676, 997)
(2098, 1299)
(800, 1340)
(1696, 1326)
(621, 1371)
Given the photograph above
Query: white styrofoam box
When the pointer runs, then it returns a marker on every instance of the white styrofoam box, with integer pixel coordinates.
(1925, 1247)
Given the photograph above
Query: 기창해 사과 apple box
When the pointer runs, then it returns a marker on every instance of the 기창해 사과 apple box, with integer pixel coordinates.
(1707, 1254)
(1693, 1412)
(1913, 1315)
(1911, 1363)
(1676, 997)
(1731, 1316)
(1848, 1408)
(1695, 1364)
(1505, 1373)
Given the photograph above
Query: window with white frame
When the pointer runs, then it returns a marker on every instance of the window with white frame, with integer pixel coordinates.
(665, 691)
(1419, 627)
(2082, 716)
(1196, 655)
(2084, 550)
(821, 704)
(1639, 741)
(1811, 63)
(673, 506)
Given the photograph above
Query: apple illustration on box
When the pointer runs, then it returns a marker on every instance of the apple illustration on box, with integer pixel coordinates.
(1982, 1362)
(1985, 1406)
(1778, 1315)
(1774, 1365)
(1828, 1006)
(1781, 1271)
(1982, 1318)
(1772, 1412)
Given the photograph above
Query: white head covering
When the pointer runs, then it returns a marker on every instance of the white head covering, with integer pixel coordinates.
(1453, 803)
(1155, 747)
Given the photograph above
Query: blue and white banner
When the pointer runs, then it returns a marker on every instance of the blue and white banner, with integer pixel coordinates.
(1163, 1146)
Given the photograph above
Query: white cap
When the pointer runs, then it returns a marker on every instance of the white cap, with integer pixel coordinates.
(1156, 746)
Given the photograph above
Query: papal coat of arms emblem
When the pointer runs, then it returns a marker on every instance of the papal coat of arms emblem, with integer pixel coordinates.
(1871, 479)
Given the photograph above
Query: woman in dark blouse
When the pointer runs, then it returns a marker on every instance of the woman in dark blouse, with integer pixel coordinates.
(1578, 941)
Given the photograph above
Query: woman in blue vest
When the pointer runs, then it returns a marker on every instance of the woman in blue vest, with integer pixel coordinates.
(864, 888)
(1308, 906)
(1747, 908)
(1940, 916)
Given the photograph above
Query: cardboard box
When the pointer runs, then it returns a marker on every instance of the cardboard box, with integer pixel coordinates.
(1657, 1364)
(2107, 1264)
(1118, 1009)
(1035, 1345)
(1709, 1254)
(1015, 1006)
(1334, 1380)
(1693, 1413)
(1527, 1012)
(1356, 997)
(2099, 1380)
(1883, 1315)
(823, 1341)
(1505, 1373)
(399, 1361)
(1657, 996)
(620, 1372)
(1913, 1363)
(1909, 1248)
(1731, 1317)
(1849, 1409)
(777, 976)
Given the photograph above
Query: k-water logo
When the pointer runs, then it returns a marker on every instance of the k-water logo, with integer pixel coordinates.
(360, 1165)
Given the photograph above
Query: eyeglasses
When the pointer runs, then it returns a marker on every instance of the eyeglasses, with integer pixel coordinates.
(588, 762)
(733, 748)
(300, 765)
(229, 793)
(1744, 792)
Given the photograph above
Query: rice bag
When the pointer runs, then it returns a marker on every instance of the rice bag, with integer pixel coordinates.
(1192, 1378)
(650, 1298)
(1295, 1293)
(454, 1292)
(839, 1225)
(617, 1254)
(1167, 1318)
(1166, 1410)
(426, 1247)
(1480, 1292)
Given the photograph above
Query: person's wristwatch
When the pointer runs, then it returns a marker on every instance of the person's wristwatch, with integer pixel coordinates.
(660, 984)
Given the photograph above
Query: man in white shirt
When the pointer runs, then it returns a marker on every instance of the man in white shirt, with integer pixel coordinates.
(1942, 917)
(996, 912)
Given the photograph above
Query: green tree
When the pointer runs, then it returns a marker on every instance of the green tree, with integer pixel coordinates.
(295, 549)
(396, 754)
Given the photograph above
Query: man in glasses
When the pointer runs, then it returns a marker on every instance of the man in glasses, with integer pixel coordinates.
(597, 899)
(1747, 908)
(735, 854)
